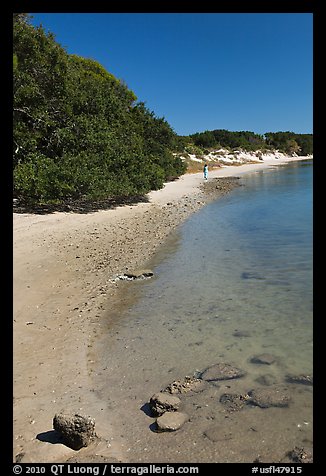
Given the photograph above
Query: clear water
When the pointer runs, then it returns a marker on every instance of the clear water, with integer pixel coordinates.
(241, 264)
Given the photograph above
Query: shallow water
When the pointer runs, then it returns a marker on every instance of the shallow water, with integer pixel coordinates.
(234, 281)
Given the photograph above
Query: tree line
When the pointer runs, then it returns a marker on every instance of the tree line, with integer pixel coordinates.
(79, 132)
(287, 142)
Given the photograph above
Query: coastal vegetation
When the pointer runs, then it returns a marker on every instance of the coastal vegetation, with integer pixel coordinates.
(79, 132)
(287, 142)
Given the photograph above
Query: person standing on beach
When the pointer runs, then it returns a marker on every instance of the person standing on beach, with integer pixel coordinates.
(206, 172)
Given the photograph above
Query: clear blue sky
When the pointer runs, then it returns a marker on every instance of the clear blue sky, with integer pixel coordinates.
(203, 71)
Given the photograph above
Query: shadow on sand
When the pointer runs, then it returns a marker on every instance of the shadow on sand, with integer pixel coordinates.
(51, 436)
(78, 206)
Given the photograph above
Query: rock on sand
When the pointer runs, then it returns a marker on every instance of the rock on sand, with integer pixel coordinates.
(77, 430)
(164, 402)
(171, 421)
(269, 397)
(222, 371)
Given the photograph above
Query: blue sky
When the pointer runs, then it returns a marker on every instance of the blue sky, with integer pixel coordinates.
(203, 71)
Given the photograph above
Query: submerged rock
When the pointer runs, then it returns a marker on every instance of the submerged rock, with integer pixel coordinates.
(234, 401)
(77, 431)
(303, 379)
(267, 379)
(171, 421)
(133, 275)
(162, 402)
(139, 273)
(301, 455)
(251, 275)
(241, 334)
(266, 359)
(269, 397)
(186, 385)
(216, 433)
(222, 371)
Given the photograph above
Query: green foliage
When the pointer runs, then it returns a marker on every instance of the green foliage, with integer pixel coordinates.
(287, 142)
(223, 138)
(42, 178)
(205, 139)
(193, 149)
(39, 88)
(77, 129)
(290, 142)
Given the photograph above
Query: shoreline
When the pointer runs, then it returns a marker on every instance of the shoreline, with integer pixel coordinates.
(63, 269)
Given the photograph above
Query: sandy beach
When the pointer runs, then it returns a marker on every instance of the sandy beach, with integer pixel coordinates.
(63, 270)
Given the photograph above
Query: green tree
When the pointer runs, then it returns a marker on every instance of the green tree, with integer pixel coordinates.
(78, 131)
(38, 88)
(290, 142)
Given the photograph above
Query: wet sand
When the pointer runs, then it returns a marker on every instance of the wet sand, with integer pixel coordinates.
(64, 269)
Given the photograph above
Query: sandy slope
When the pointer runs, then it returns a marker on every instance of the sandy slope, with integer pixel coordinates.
(63, 269)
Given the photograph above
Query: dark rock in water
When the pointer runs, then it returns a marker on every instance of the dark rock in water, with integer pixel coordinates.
(249, 275)
(164, 402)
(215, 433)
(241, 334)
(303, 379)
(267, 359)
(269, 397)
(234, 401)
(77, 430)
(301, 455)
(139, 274)
(188, 384)
(267, 379)
(222, 371)
(171, 421)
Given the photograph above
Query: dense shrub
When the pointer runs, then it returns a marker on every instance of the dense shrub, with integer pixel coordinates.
(78, 131)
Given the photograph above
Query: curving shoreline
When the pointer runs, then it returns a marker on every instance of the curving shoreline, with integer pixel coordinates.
(63, 268)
